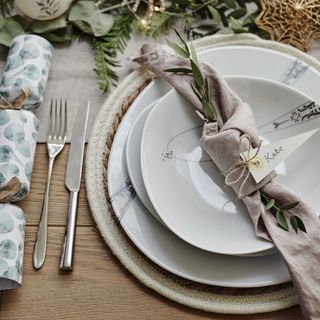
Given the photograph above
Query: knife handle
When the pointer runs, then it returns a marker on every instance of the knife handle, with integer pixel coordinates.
(70, 232)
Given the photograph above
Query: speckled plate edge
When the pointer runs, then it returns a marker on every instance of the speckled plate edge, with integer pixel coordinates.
(208, 298)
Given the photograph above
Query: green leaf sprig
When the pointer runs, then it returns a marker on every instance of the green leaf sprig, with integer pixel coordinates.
(201, 85)
(281, 213)
(88, 18)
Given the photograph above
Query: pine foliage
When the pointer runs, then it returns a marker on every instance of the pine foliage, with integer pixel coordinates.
(106, 49)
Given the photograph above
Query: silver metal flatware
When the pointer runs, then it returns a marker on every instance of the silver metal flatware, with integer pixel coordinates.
(73, 182)
(56, 138)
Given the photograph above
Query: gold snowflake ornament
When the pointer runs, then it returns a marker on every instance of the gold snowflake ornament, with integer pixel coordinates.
(295, 22)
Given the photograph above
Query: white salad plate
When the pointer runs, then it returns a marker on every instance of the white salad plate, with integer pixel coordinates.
(188, 191)
(158, 243)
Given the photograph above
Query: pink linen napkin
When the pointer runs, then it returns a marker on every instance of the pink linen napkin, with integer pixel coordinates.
(221, 141)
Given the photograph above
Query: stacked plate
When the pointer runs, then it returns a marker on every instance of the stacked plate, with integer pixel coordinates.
(170, 198)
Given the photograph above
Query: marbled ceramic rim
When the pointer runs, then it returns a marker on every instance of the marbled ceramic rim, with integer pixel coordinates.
(204, 297)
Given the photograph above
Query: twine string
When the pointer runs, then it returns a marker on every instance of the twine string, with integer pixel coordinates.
(17, 102)
(10, 189)
(243, 165)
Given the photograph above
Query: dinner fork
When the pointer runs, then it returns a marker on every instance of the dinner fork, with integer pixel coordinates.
(56, 138)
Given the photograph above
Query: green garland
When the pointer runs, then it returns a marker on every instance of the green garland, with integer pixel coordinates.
(110, 23)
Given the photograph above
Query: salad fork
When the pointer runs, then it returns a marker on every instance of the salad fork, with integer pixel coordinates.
(56, 138)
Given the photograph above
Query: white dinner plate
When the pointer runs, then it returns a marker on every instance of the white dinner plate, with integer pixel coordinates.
(133, 160)
(158, 243)
(188, 191)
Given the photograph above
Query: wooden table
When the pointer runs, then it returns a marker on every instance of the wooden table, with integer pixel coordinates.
(99, 287)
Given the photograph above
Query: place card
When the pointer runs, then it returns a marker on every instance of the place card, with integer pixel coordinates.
(270, 155)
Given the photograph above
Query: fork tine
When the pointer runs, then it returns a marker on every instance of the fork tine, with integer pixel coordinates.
(55, 130)
(49, 132)
(64, 134)
(57, 126)
(59, 134)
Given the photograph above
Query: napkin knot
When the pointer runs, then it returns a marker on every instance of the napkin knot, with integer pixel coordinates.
(243, 167)
(17, 102)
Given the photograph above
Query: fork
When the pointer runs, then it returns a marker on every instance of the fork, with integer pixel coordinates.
(56, 138)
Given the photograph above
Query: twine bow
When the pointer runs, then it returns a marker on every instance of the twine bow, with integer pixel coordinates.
(17, 102)
(243, 165)
(10, 190)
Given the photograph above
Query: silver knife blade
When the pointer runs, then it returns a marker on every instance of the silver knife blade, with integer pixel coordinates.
(76, 152)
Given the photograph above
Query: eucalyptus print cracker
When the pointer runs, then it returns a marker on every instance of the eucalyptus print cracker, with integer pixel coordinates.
(27, 66)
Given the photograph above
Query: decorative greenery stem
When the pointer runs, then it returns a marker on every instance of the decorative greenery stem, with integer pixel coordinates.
(281, 213)
(106, 49)
(201, 85)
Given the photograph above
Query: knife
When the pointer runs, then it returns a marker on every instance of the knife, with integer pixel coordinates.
(73, 182)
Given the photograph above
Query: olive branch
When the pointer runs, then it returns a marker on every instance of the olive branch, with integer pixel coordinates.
(201, 86)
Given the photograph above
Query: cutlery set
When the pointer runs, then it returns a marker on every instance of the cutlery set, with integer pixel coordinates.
(56, 139)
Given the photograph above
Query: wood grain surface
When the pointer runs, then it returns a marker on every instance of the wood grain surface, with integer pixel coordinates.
(99, 287)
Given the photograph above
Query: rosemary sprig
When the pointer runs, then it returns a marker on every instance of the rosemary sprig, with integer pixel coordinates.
(106, 49)
(281, 213)
(201, 85)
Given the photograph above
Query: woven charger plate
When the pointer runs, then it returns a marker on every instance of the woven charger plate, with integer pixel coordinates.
(192, 294)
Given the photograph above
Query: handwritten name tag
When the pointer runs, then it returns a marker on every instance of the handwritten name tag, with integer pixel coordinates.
(270, 155)
(274, 154)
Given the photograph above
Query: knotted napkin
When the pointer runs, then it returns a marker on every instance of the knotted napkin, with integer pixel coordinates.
(222, 141)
